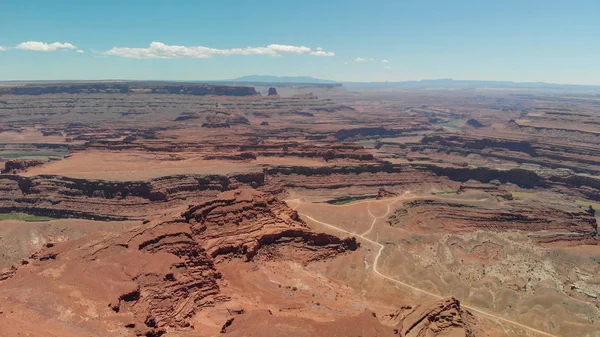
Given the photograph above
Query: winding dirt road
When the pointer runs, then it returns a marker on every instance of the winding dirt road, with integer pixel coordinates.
(391, 279)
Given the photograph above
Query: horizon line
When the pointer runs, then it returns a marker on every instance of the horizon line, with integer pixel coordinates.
(317, 79)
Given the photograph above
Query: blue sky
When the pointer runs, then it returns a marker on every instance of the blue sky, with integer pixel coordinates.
(525, 40)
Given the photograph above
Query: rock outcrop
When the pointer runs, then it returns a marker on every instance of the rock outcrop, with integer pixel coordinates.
(241, 222)
(273, 92)
(441, 318)
(19, 165)
(159, 275)
(384, 194)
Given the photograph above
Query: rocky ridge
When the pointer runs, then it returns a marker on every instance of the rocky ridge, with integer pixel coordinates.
(441, 318)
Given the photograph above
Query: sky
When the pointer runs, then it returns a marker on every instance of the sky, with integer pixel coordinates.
(344, 40)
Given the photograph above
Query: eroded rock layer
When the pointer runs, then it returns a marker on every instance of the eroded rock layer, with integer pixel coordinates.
(65, 197)
(159, 275)
(457, 216)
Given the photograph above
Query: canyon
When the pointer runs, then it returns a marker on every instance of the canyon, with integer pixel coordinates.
(188, 209)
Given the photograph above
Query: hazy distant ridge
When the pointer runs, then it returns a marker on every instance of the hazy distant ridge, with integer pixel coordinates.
(280, 79)
(466, 84)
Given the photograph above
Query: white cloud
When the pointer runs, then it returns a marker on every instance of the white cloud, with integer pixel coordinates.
(2, 48)
(385, 61)
(387, 67)
(359, 59)
(80, 51)
(43, 46)
(159, 50)
(322, 53)
(371, 59)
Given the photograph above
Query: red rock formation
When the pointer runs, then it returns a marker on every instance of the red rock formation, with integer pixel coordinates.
(18, 165)
(164, 272)
(441, 318)
(568, 221)
(64, 197)
(384, 194)
(241, 222)
(577, 157)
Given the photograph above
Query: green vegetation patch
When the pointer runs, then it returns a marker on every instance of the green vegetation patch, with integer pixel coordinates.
(35, 155)
(446, 193)
(25, 217)
(453, 124)
(350, 199)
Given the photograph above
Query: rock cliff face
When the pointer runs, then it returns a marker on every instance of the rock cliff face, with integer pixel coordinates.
(365, 177)
(64, 197)
(295, 149)
(585, 186)
(375, 132)
(582, 159)
(159, 275)
(454, 216)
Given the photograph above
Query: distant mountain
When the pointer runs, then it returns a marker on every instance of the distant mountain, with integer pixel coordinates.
(467, 84)
(280, 79)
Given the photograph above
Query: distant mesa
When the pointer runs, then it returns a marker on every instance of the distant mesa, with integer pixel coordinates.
(173, 88)
(273, 92)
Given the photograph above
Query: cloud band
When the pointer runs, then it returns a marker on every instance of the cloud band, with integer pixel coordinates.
(159, 50)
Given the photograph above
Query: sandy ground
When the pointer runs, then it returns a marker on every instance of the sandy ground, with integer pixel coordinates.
(487, 280)
(130, 165)
(19, 239)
